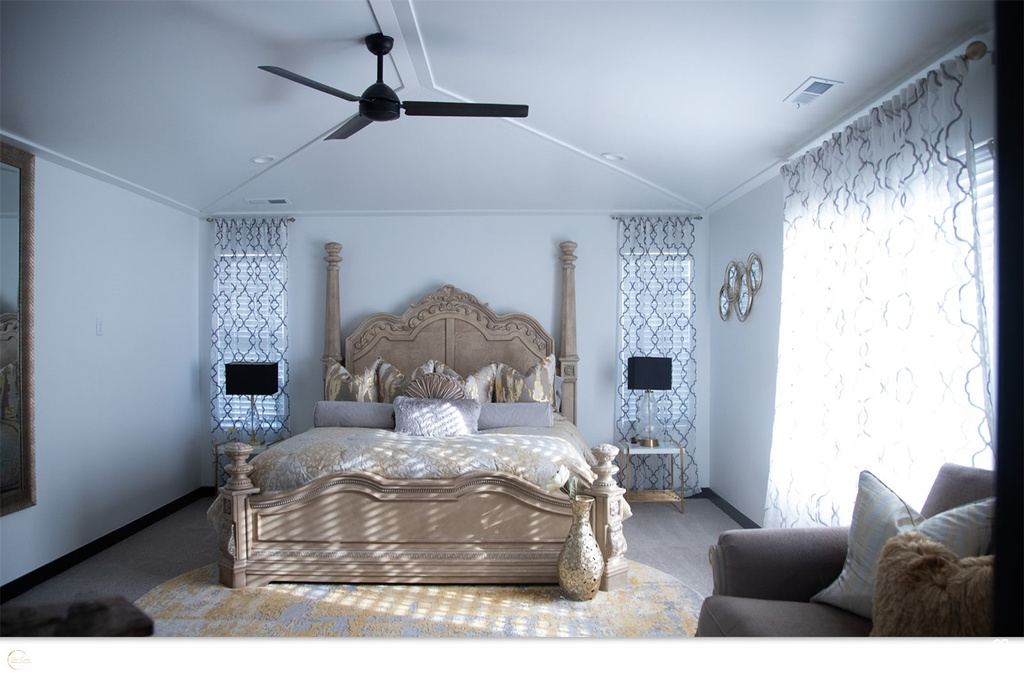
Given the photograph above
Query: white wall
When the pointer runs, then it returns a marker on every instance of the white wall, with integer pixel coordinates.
(116, 415)
(508, 261)
(744, 359)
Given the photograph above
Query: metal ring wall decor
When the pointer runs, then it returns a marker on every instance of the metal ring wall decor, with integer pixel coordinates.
(742, 282)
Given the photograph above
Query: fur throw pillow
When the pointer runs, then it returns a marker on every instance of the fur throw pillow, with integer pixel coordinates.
(924, 590)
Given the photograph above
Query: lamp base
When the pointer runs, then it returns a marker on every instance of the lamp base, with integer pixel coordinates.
(647, 442)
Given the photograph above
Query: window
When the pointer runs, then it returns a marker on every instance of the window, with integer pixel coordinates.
(656, 305)
(250, 309)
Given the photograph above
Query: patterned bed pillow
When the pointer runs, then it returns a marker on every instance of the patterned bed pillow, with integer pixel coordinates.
(537, 385)
(390, 381)
(437, 418)
(341, 384)
(433, 367)
(480, 384)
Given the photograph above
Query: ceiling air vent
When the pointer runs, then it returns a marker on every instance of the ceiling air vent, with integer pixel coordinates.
(810, 90)
(267, 202)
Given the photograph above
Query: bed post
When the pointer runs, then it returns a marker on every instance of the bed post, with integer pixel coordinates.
(568, 360)
(610, 511)
(235, 494)
(332, 313)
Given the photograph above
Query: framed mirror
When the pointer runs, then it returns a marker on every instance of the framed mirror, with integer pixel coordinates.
(724, 302)
(17, 426)
(745, 298)
(732, 279)
(755, 271)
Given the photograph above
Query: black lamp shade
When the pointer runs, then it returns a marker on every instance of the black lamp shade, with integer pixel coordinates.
(250, 378)
(649, 374)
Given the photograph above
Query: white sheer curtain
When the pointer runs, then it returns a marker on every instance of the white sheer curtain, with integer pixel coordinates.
(883, 345)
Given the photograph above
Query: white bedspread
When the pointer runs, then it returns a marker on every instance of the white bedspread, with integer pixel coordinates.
(532, 453)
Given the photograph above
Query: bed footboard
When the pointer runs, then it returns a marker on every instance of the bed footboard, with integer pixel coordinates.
(483, 528)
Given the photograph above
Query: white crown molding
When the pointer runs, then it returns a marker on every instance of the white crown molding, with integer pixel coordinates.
(85, 169)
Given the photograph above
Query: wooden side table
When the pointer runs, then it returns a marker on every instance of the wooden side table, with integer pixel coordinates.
(670, 495)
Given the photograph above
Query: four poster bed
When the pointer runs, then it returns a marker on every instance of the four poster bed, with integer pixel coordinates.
(351, 501)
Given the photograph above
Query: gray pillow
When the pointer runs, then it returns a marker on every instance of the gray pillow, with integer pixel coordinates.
(436, 417)
(880, 514)
(502, 415)
(352, 413)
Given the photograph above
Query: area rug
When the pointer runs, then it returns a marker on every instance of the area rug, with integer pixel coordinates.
(195, 604)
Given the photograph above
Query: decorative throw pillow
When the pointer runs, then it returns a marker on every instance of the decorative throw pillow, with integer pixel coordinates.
(505, 415)
(537, 385)
(480, 384)
(390, 381)
(350, 413)
(438, 418)
(924, 589)
(432, 385)
(341, 384)
(433, 367)
(878, 515)
(508, 383)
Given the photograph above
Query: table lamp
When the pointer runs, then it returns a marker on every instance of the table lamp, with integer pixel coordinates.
(648, 374)
(251, 379)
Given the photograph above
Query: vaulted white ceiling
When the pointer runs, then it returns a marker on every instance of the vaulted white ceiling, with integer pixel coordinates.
(165, 98)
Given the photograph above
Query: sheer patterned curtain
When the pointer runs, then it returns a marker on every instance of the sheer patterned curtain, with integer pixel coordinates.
(656, 319)
(883, 342)
(250, 312)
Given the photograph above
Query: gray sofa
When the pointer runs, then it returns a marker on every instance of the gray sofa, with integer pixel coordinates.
(764, 578)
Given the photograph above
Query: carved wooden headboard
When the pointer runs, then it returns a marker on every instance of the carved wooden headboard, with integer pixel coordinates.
(454, 327)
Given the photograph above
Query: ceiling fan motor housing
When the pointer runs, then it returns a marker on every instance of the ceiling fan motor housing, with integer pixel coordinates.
(379, 103)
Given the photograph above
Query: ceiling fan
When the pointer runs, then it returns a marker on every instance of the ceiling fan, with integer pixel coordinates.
(380, 103)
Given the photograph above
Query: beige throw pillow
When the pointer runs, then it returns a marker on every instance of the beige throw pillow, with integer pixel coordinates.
(924, 589)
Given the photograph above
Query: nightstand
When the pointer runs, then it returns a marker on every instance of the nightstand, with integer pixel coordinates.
(671, 495)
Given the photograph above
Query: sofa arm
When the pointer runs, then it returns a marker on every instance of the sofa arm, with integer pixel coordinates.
(789, 564)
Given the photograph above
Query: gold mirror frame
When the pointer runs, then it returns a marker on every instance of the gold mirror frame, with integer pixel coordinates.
(20, 492)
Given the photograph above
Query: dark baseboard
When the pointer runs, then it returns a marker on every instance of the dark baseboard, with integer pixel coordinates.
(732, 511)
(57, 566)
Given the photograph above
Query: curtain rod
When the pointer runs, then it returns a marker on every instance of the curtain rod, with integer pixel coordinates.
(289, 219)
(656, 215)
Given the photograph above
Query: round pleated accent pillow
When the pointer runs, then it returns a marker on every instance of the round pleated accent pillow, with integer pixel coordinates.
(432, 385)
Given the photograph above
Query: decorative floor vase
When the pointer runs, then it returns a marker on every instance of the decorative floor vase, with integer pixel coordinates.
(580, 563)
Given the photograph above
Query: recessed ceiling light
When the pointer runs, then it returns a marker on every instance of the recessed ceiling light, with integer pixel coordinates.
(263, 159)
(612, 156)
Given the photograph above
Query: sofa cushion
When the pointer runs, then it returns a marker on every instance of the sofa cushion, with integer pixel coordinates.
(956, 485)
(722, 616)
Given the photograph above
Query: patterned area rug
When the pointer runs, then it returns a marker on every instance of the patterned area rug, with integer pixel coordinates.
(195, 605)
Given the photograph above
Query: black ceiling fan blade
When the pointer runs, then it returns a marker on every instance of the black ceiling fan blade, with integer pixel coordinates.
(465, 109)
(349, 128)
(302, 80)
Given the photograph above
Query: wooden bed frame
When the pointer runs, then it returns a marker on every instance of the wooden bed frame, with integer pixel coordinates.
(485, 527)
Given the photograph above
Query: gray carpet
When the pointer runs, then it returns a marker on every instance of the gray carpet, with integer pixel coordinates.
(657, 535)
